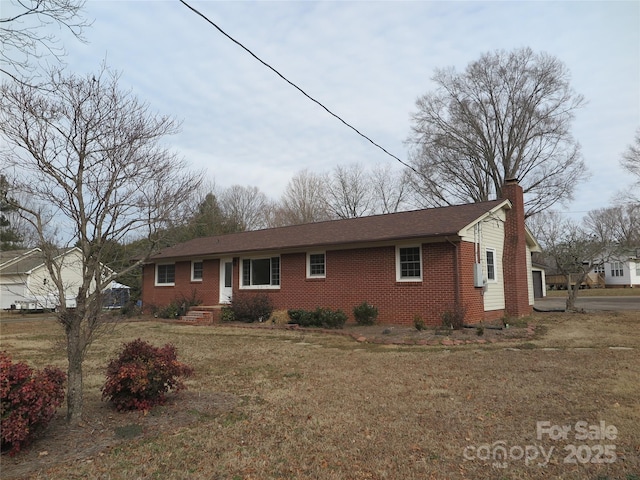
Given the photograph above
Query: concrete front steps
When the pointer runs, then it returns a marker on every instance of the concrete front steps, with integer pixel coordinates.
(202, 315)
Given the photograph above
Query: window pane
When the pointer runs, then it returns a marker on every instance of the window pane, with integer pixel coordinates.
(410, 262)
(316, 264)
(228, 274)
(491, 268)
(166, 273)
(616, 269)
(275, 271)
(197, 271)
(246, 272)
(261, 271)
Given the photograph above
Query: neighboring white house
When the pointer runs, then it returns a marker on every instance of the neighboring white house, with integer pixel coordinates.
(25, 282)
(622, 270)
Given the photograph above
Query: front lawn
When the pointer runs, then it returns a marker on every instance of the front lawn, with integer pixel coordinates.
(282, 404)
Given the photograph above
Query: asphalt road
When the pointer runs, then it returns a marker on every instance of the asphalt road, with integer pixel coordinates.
(591, 303)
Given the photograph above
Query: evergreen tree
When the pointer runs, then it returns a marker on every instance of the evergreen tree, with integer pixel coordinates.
(10, 238)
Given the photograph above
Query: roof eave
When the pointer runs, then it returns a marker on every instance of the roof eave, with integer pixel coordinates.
(505, 204)
(436, 238)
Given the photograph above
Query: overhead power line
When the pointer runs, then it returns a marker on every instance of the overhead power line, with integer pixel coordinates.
(197, 12)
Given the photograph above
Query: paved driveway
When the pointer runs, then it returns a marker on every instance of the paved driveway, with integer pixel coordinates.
(591, 303)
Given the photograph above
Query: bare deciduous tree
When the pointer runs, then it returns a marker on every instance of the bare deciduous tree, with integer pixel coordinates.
(618, 225)
(25, 35)
(390, 189)
(508, 115)
(571, 248)
(245, 207)
(631, 158)
(89, 157)
(303, 201)
(349, 192)
(631, 163)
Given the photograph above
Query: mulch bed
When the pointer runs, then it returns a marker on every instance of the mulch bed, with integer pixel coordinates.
(406, 335)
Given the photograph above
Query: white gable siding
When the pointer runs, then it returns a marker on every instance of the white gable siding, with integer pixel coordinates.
(530, 277)
(42, 288)
(634, 272)
(489, 234)
(12, 290)
(628, 269)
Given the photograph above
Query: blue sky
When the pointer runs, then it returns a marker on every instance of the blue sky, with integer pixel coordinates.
(366, 61)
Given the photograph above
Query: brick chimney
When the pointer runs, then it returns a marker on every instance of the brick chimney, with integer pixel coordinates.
(514, 259)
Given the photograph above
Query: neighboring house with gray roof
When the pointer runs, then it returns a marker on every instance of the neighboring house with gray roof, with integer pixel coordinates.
(409, 264)
(25, 282)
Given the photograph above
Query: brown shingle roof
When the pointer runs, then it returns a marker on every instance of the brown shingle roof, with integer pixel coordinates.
(433, 222)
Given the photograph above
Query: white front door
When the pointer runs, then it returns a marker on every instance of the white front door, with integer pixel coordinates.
(226, 280)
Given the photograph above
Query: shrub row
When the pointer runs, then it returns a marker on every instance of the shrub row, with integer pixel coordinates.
(365, 314)
(178, 307)
(320, 317)
(29, 401)
(454, 318)
(138, 379)
(248, 308)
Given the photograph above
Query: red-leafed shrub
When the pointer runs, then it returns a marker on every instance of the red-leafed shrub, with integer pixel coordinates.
(29, 401)
(142, 374)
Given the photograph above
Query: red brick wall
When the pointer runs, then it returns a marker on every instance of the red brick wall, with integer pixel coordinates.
(514, 260)
(352, 276)
(470, 296)
(207, 291)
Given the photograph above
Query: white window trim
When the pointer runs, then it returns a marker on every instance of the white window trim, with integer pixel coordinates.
(193, 262)
(617, 269)
(258, 287)
(155, 279)
(324, 275)
(495, 265)
(408, 279)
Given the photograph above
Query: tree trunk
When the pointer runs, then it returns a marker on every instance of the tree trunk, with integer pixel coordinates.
(74, 372)
(573, 291)
(571, 298)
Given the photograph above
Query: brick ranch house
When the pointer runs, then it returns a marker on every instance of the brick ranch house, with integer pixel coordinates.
(407, 264)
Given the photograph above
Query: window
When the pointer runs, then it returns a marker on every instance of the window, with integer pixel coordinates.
(165, 274)
(491, 264)
(228, 274)
(599, 268)
(408, 264)
(261, 272)
(316, 265)
(616, 269)
(196, 271)
(638, 268)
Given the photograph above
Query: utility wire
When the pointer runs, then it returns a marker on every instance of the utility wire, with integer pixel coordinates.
(293, 84)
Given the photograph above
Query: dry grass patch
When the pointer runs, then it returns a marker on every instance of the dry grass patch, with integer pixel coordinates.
(272, 404)
(598, 292)
(592, 330)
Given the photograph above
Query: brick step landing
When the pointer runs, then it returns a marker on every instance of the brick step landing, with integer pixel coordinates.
(202, 315)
